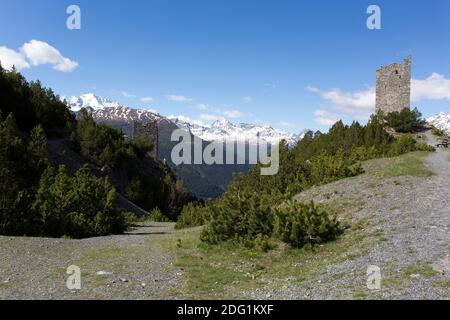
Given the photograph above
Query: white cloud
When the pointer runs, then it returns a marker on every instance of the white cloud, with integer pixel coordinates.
(351, 102)
(357, 104)
(127, 95)
(247, 99)
(233, 113)
(146, 99)
(202, 106)
(10, 58)
(176, 98)
(361, 104)
(326, 118)
(287, 124)
(435, 87)
(39, 52)
(210, 117)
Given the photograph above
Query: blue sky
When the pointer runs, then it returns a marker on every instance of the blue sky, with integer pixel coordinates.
(290, 64)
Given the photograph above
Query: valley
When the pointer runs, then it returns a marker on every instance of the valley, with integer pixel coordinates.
(397, 217)
(205, 181)
(225, 152)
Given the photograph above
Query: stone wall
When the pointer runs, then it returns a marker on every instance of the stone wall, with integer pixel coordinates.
(394, 87)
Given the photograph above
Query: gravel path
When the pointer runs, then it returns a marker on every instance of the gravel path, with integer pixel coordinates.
(411, 215)
(136, 265)
(404, 228)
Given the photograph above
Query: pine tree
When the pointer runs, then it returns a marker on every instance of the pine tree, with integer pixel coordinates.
(38, 149)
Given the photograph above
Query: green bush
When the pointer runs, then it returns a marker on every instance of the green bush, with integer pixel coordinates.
(37, 200)
(239, 217)
(77, 207)
(326, 168)
(403, 144)
(157, 216)
(406, 143)
(405, 121)
(300, 224)
(193, 215)
(264, 242)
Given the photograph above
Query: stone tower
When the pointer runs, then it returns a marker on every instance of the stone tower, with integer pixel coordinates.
(394, 87)
(150, 130)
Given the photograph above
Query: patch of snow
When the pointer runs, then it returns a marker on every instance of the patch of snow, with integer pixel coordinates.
(441, 121)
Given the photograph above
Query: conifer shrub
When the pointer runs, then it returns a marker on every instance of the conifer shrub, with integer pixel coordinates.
(193, 215)
(264, 242)
(77, 207)
(239, 217)
(38, 200)
(157, 216)
(326, 168)
(406, 143)
(405, 121)
(300, 224)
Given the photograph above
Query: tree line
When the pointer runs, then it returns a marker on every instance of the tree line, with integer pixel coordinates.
(257, 209)
(41, 198)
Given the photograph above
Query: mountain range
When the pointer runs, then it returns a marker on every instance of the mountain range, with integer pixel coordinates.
(205, 181)
(223, 129)
(105, 109)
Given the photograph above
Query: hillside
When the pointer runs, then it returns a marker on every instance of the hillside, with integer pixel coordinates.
(205, 181)
(67, 176)
(398, 217)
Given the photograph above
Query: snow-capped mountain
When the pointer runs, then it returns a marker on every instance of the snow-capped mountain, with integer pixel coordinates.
(441, 121)
(223, 129)
(105, 110)
(89, 101)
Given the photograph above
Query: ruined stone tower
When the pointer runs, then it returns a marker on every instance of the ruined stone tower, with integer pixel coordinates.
(394, 87)
(150, 130)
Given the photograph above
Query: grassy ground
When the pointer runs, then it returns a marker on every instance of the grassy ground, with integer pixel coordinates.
(410, 164)
(417, 270)
(226, 271)
(159, 262)
(230, 272)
